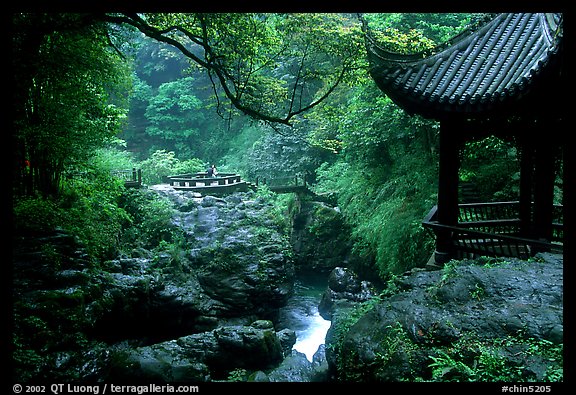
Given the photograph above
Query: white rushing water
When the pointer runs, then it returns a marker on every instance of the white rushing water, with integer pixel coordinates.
(301, 315)
(309, 339)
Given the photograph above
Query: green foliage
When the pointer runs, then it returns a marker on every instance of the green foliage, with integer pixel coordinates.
(478, 292)
(88, 206)
(36, 214)
(222, 259)
(150, 224)
(473, 359)
(163, 163)
(238, 374)
(384, 180)
(238, 147)
(449, 270)
(90, 211)
(114, 158)
(396, 41)
(342, 324)
(444, 364)
(69, 87)
(174, 112)
(396, 345)
(169, 255)
(379, 163)
(171, 108)
(385, 174)
(276, 156)
(271, 67)
(278, 215)
(492, 166)
(391, 286)
(415, 32)
(27, 359)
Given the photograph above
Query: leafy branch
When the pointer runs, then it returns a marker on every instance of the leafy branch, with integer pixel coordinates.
(244, 53)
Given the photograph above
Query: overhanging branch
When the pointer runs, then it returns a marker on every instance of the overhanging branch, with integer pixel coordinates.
(215, 67)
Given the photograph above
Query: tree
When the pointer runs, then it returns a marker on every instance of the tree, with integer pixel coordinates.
(174, 113)
(416, 32)
(271, 67)
(65, 74)
(384, 175)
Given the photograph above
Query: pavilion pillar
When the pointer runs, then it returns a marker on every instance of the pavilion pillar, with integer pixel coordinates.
(449, 164)
(526, 182)
(544, 173)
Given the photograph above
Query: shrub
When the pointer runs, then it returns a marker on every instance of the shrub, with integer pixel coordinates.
(36, 214)
(150, 219)
(163, 163)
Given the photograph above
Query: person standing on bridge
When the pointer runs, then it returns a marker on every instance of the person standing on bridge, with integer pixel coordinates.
(212, 172)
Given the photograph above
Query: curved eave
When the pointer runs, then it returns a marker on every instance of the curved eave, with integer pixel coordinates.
(488, 70)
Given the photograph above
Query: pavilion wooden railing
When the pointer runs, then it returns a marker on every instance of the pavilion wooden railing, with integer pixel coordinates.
(493, 229)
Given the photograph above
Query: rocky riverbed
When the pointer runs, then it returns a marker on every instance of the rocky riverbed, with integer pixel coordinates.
(214, 309)
(204, 312)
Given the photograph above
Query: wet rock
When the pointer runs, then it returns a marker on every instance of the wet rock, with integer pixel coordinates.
(233, 267)
(344, 289)
(296, 368)
(320, 238)
(259, 377)
(466, 310)
(287, 339)
(201, 357)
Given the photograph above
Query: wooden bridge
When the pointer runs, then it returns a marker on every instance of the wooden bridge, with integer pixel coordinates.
(495, 229)
(295, 184)
(132, 178)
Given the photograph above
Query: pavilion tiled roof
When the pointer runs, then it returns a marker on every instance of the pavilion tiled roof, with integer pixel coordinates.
(479, 71)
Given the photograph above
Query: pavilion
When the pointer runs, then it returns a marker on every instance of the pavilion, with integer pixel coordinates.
(503, 78)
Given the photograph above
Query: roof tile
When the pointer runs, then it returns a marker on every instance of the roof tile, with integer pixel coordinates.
(497, 62)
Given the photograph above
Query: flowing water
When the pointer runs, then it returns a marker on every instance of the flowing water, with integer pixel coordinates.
(301, 315)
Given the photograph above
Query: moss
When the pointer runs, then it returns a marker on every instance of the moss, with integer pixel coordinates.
(510, 359)
(326, 223)
(395, 354)
(469, 359)
(342, 322)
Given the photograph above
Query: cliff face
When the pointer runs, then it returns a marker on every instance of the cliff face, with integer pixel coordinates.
(320, 238)
(75, 320)
(478, 320)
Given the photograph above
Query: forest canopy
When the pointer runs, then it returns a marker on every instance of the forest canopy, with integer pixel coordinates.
(260, 93)
(271, 67)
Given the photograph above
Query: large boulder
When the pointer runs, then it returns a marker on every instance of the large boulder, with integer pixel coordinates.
(201, 357)
(235, 248)
(232, 267)
(320, 238)
(296, 368)
(468, 321)
(345, 289)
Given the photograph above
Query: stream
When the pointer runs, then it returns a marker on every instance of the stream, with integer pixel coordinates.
(301, 315)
